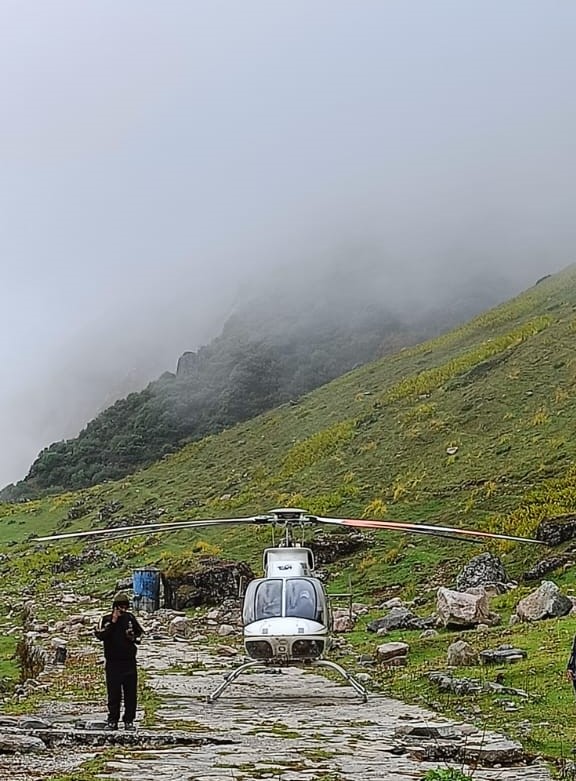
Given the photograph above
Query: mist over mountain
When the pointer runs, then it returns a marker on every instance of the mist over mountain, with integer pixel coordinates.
(301, 331)
(159, 166)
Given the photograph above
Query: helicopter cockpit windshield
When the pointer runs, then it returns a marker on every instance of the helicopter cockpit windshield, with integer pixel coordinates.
(290, 598)
(268, 603)
(300, 599)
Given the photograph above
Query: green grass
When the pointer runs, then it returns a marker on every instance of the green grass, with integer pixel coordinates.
(9, 672)
(446, 774)
(91, 770)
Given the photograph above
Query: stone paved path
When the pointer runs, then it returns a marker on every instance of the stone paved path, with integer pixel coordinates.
(291, 726)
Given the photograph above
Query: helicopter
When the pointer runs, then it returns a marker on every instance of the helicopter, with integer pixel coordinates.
(286, 613)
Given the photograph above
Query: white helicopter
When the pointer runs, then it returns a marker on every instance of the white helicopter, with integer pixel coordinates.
(286, 613)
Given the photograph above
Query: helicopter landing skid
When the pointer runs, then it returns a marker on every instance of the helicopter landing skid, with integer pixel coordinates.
(231, 677)
(356, 685)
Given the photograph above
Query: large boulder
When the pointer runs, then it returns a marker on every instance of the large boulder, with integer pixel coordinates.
(546, 602)
(329, 547)
(343, 620)
(399, 618)
(393, 654)
(464, 608)
(211, 583)
(549, 564)
(461, 654)
(556, 530)
(485, 569)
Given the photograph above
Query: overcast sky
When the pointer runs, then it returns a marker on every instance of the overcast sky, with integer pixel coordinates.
(157, 155)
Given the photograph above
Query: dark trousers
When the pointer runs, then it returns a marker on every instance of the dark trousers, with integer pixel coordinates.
(121, 681)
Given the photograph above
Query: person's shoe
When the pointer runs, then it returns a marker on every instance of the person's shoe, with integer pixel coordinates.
(112, 725)
(129, 726)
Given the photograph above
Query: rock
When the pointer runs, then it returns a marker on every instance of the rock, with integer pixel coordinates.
(92, 725)
(399, 618)
(32, 659)
(343, 620)
(480, 571)
(504, 653)
(9, 721)
(547, 565)
(69, 562)
(20, 744)
(429, 634)
(78, 619)
(427, 730)
(389, 651)
(461, 654)
(214, 581)
(328, 548)
(546, 602)
(392, 603)
(493, 753)
(446, 683)
(181, 627)
(225, 630)
(556, 530)
(342, 624)
(226, 650)
(32, 723)
(463, 609)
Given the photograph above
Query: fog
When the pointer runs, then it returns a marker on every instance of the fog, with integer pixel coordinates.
(159, 161)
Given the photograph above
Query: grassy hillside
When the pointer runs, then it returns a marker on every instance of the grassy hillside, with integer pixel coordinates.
(500, 389)
(277, 346)
(374, 442)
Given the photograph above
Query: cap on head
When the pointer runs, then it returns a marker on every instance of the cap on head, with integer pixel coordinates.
(121, 598)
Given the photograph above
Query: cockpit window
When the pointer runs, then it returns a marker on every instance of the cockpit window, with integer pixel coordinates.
(268, 599)
(301, 599)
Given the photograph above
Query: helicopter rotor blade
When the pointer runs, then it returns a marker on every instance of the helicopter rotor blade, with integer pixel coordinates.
(422, 528)
(145, 528)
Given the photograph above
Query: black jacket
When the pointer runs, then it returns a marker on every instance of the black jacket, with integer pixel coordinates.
(120, 639)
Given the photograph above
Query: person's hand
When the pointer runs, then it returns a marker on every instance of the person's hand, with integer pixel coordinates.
(116, 613)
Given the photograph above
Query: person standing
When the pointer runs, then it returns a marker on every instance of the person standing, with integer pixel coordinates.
(120, 632)
(571, 666)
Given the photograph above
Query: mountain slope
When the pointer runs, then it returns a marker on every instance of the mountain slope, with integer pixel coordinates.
(499, 389)
(275, 348)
